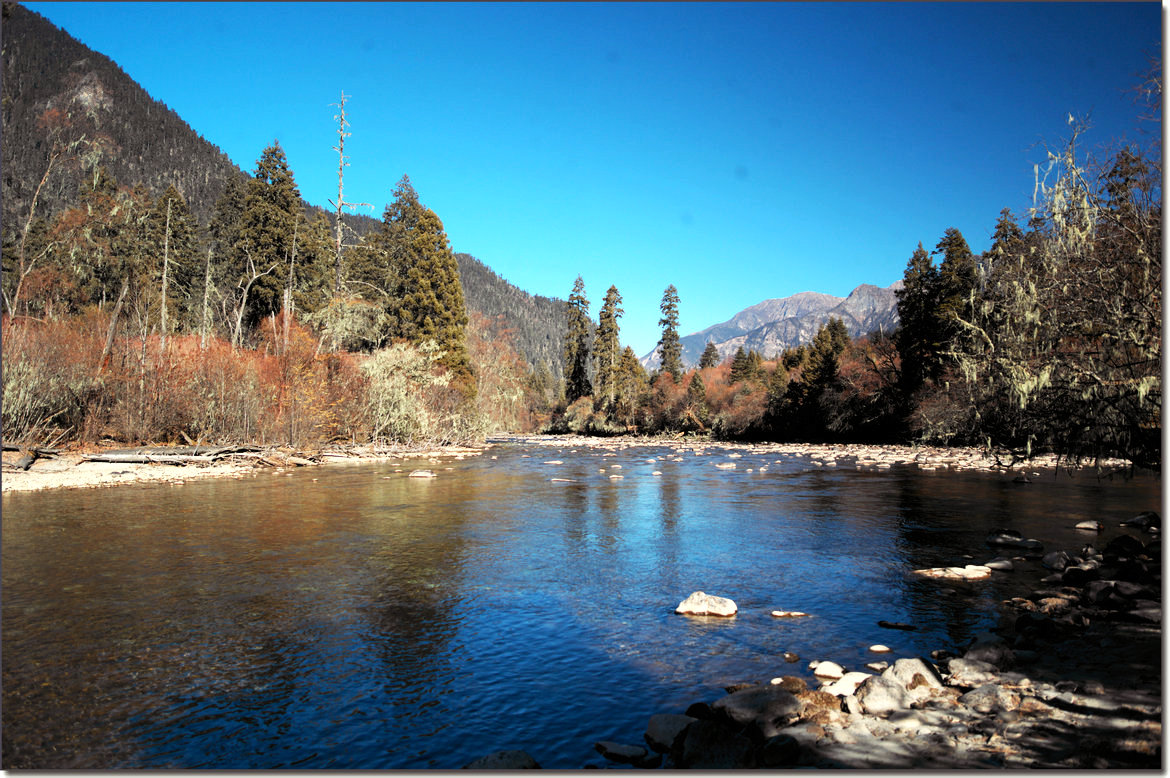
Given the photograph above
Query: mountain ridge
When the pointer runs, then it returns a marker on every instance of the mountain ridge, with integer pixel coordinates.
(775, 324)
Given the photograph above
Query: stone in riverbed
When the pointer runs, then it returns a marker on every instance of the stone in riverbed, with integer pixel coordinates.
(664, 729)
(1090, 526)
(880, 696)
(619, 752)
(966, 573)
(829, 670)
(779, 750)
(765, 709)
(1000, 563)
(504, 760)
(989, 698)
(847, 684)
(970, 672)
(713, 745)
(703, 604)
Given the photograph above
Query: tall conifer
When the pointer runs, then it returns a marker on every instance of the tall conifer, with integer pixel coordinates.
(607, 349)
(670, 348)
(577, 345)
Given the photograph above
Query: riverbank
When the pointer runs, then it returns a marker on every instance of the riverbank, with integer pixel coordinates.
(76, 469)
(1070, 679)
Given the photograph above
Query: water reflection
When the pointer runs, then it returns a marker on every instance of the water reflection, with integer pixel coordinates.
(367, 620)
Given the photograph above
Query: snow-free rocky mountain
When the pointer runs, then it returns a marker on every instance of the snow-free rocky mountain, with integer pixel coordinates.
(774, 325)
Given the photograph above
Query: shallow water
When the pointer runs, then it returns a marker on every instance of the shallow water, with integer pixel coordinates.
(352, 617)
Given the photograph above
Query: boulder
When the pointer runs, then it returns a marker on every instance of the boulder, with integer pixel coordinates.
(966, 573)
(764, 709)
(779, 750)
(1003, 564)
(829, 670)
(1090, 526)
(790, 657)
(713, 745)
(664, 729)
(970, 672)
(1055, 560)
(990, 698)
(504, 760)
(878, 648)
(1126, 546)
(703, 604)
(790, 684)
(426, 474)
(700, 710)
(619, 752)
(1145, 521)
(1079, 575)
(880, 696)
(847, 684)
(914, 673)
(991, 648)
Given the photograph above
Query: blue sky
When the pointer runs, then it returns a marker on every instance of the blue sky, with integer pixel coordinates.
(738, 151)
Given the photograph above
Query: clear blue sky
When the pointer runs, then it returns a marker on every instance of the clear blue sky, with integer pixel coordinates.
(739, 151)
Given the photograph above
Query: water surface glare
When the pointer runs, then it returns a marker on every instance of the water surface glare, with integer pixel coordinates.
(352, 617)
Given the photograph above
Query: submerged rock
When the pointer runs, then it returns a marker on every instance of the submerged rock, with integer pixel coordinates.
(703, 604)
(504, 760)
(663, 730)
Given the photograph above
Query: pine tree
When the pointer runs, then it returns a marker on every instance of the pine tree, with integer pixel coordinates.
(429, 304)
(957, 279)
(268, 232)
(607, 349)
(917, 337)
(710, 357)
(697, 399)
(670, 349)
(577, 345)
(740, 366)
(630, 385)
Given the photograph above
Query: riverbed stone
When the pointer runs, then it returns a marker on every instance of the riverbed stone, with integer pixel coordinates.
(504, 760)
(1055, 560)
(829, 670)
(703, 604)
(917, 677)
(620, 752)
(1003, 564)
(879, 695)
(714, 745)
(764, 709)
(1090, 526)
(847, 684)
(991, 648)
(663, 729)
(779, 750)
(970, 672)
(989, 698)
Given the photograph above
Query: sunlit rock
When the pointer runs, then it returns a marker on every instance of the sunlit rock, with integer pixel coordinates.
(788, 614)
(830, 670)
(421, 474)
(967, 573)
(847, 683)
(703, 604)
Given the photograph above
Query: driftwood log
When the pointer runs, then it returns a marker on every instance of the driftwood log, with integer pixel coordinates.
(30, 455)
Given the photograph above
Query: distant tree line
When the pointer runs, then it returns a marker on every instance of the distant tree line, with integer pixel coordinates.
(1050, 341)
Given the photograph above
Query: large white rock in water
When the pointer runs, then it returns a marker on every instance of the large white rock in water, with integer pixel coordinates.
(703, 604)
(967, 573)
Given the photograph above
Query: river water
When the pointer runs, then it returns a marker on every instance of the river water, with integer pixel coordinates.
(352, 617)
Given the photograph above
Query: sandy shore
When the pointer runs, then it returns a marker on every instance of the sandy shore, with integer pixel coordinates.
(71, 469)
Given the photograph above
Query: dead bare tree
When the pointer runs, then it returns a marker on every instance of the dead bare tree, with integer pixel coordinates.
(244, 290)
(341, 204)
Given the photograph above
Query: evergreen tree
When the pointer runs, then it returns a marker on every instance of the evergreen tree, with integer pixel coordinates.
(755, 365)
(630, 385)
(956, 279)
(607, 349)
(669, 345)
(269, 228)
(710, 357)
(740, 366)
(917, 337)
(697, 400)
(429, 304)
(577, 345)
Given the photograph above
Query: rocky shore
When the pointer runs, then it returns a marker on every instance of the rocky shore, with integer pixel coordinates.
(1070, 679)
(82, 469)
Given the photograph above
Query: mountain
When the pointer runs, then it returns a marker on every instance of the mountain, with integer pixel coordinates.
(774, 325)
(47, 73)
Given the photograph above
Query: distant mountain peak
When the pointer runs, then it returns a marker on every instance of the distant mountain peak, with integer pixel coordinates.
(773, 325)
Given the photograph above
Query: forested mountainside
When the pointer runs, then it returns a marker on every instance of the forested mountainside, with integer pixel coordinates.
(50, 78)
(56, 89)
(536, 323)
(774, 325)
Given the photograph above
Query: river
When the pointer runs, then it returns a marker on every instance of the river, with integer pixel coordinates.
(353, 617)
